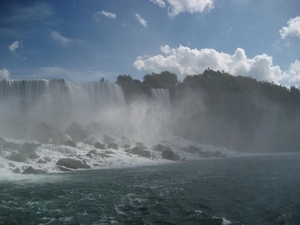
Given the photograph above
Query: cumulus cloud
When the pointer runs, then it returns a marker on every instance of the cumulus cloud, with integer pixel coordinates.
(161, 3)
(4, 74)
(186, 61)
(293, 74)
(97, 15)
(191, 6)
(58, 38)
(14, 46)
(292, 30)
(141, 20)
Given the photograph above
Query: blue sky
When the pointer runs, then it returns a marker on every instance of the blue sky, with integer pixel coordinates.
(85, 40)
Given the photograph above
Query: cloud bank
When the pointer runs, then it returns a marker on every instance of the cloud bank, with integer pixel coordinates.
(4, 74)
(292, 30)
(141, 20)
(176, 7)
(186, 61)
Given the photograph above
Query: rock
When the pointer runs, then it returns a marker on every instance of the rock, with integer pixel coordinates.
(42, 161)
(170, 155)
(113, 146)
(72, 164)
(43, 132)
(139, 143)
(62, 138)
(48, 159)
(124, 138)
(77, 132)
(31, 170)
(206, 154)
(159, 148)
(32, 155)
(217, 154)
(29, 147)
(126, 146)
(70, 143)
(108, 139)
(12, 145)
(138, 150)
(99, 145)
(192, 149)
(16, 157)
(16, 170)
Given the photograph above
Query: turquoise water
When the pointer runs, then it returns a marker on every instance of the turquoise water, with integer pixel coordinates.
(245, 190)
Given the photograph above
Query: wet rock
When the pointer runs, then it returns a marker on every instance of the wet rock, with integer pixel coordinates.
(32, 155)
(206, 154)
(42, 161)
(217, 154)
(31, 170)
(16, 157)
(48, 159)
(126, 146)
(12, 145)
(98, 145)
(29, 147)
(170, 155)
(70, 143)
(113, 146)
(108, 139)
(16, 170)
(161, 148)
(77, 132)
(192, 149)
(72, 164)
(138, 150)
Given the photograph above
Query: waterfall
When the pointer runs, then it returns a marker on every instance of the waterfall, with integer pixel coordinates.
(24, 103)
(161, 96)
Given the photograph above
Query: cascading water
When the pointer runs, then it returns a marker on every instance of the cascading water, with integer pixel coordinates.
(161, 96)
(24, 103)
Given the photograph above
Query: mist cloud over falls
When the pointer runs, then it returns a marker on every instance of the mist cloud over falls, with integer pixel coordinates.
(98, 106)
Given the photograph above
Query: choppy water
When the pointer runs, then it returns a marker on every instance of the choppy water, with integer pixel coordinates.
(245, 190)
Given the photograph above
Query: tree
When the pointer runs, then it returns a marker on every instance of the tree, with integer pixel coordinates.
(121, 79)
(163, 80)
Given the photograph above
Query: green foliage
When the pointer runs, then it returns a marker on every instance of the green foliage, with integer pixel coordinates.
(122, 79)
(163, 80)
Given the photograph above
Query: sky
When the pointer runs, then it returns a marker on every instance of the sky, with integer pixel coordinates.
(85, 40)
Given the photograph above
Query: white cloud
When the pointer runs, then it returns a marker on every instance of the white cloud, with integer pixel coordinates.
(97, 16)
(191, 6)
(56, 36)
(14, 46)
(293, 28)
(185, 61)
(161, 3)
(141, 20)
(4, 74)
(293, 74)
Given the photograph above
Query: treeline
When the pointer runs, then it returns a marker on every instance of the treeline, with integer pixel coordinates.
(231, 111)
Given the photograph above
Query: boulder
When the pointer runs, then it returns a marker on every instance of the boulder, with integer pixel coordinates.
(43, 132)
(77, 132)
(16, 170)
(161, 148)
(29, 147)
(108, 139)
(113, 146)
(16, 157)
(98, 145)
(206, 154)
(31, 170)
(42, 161)
(32, 155)
(217, 154)
(170, 155)
(126, 146)
(12, 145)
(70, 143)
(192, 149)
(72, 164)
(138, 150)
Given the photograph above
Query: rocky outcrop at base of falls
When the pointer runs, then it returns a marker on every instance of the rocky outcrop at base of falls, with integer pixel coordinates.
(71, 164)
